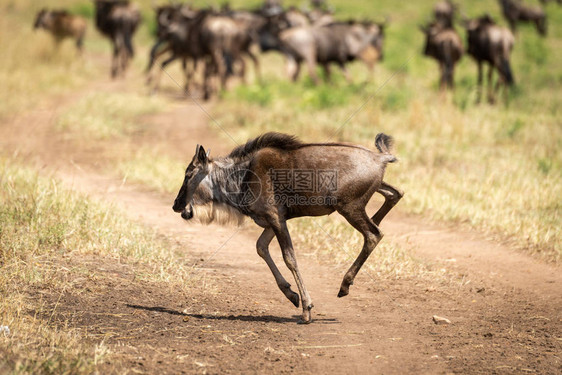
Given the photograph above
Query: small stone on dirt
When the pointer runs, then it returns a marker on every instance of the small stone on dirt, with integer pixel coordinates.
(440, 320)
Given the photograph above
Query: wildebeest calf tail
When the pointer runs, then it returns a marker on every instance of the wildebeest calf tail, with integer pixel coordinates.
(384, 144)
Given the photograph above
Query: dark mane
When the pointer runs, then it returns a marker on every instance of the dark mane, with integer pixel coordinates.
(272, 139)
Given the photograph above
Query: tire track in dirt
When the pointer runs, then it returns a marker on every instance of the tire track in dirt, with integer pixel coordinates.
(508, 320)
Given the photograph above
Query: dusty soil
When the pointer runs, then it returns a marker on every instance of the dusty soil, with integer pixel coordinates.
(506, 316)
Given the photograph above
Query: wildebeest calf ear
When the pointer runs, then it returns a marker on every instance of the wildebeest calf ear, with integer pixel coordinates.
(201, 154)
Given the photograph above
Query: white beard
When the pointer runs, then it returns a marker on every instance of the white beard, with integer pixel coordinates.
(219, 213)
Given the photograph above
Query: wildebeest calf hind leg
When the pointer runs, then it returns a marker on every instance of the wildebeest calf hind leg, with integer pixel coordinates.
(357, 217)
(391, 196)
(263, 251)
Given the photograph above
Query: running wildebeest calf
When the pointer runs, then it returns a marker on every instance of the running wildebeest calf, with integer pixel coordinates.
(490, 43)
(262, 180)
(444, 44)
(118, 20)
(61, 25)
(515, 11)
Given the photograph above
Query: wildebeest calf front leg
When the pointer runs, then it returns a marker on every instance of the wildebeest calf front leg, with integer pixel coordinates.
(286, 244)
(357, 217)
(263, 251)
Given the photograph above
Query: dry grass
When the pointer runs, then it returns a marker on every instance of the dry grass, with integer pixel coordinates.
(151, 167)
(42, 226)
(30, 67)
(99, 116)
(338, 243)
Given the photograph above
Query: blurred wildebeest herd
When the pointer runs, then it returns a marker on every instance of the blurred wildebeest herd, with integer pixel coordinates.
(220, 40)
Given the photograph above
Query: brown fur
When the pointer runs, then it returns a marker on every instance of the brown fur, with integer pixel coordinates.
(62, 25)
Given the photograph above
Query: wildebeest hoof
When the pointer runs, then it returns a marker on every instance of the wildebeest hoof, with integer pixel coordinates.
(306, 315)
(344, 291)
(295, 299)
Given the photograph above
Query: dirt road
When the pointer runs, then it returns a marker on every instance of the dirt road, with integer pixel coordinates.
(506, 314)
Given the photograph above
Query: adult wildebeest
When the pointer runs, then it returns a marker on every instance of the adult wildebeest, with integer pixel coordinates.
(338, 43)
(444, 12)
(248, 24)
(216, 39)
(275, 177)
(444, 44)
(515, 11)
(61, 24)
(118, 20)
(171, 32)
(488, 42)
(278, 20)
